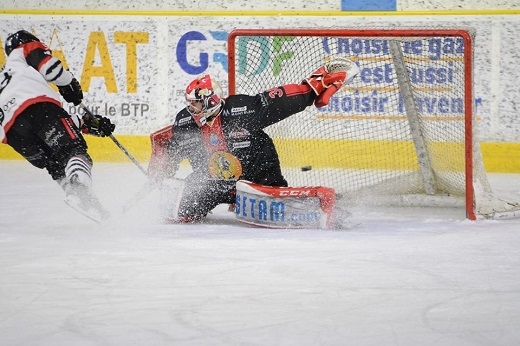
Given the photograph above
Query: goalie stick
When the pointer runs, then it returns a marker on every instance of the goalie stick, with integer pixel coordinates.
(144, 191)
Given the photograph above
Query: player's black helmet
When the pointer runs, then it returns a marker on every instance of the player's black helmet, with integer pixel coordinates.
(15, 40)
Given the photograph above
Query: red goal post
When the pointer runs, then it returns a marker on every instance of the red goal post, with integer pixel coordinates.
(402, 132)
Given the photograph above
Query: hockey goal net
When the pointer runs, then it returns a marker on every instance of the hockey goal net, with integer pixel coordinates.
(402, 133)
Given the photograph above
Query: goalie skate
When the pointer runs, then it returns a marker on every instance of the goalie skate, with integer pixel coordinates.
(84, 202)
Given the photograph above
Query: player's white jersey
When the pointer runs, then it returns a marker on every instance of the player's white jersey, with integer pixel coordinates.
(24, 81)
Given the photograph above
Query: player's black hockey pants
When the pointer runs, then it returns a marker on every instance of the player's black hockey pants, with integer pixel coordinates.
(45, 135)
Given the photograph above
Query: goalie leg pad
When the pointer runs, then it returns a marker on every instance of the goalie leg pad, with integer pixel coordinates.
(170, 196)
(285, 207)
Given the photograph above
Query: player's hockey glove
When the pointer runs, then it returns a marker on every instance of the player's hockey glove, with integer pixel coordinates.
(72, 92)
(98, 126)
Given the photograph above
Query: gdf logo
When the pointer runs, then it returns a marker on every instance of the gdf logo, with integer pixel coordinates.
(190, 52)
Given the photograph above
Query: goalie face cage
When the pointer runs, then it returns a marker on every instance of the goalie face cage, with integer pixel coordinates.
(401, 133)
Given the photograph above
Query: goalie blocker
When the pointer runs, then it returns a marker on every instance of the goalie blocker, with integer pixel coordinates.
(287, 207)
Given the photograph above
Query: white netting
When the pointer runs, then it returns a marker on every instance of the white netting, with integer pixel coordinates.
(401, 127)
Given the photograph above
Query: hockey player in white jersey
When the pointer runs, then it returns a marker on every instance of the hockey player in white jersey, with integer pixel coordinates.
(34, 123)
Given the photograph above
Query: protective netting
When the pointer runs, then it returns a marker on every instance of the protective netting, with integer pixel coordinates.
(403, 126)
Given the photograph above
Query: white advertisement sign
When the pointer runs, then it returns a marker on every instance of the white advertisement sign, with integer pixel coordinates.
(134, 68)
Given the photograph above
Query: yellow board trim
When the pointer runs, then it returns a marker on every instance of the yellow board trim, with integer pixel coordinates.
(103, 149)
(498, 157)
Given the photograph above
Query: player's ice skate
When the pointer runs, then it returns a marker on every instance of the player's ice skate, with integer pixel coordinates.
(86, 203)
(78, 190)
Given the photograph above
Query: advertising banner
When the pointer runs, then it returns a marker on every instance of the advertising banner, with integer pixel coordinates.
(135, 68)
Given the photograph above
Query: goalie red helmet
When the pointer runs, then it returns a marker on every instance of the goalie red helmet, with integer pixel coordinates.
(15, 40)
(204, 99)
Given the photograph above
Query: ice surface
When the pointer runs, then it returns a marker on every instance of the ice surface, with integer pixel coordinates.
(402, 277)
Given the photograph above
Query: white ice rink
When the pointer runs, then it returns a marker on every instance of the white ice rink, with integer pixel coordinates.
(420, 277)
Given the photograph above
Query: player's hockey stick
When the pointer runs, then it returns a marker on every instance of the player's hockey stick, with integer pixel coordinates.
(148, 187)
(119, 145)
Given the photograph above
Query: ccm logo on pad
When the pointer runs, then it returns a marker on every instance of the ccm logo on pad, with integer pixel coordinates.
(294, 193)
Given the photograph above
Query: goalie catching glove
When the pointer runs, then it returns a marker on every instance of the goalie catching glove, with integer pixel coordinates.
(97, 126)
(330, 77)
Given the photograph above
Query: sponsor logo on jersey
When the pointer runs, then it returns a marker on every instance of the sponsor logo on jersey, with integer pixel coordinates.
(9, 104)
(239, 133)
(251, 111)
(188, 141)
(239, 145)
(214, 140)
(263, 99)
(185, 120)
(238, 109)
